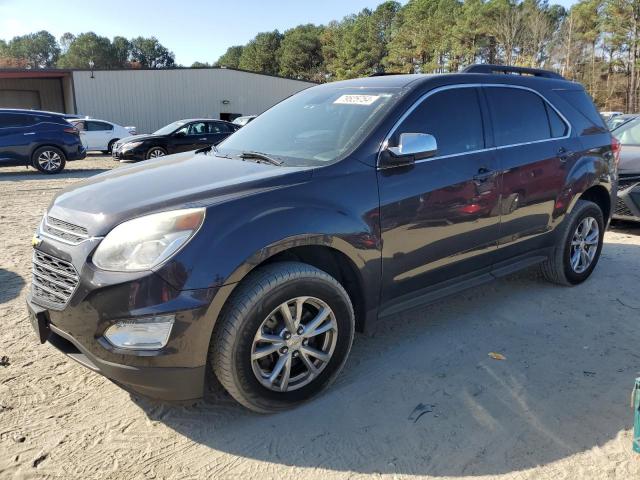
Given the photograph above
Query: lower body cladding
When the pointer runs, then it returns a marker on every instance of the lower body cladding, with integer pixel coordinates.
(628, 201)
(140, 333)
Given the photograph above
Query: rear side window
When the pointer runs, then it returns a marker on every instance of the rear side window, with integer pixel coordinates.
(98, 126)
(520, 116)
(219, 127)
(453, 117)
(15, 120)
(582, 103)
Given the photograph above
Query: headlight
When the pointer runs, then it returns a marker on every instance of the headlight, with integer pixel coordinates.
(145, 242)
(131, 145)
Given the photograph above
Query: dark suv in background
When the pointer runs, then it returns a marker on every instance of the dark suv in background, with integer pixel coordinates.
(346, 203)
(44, 140)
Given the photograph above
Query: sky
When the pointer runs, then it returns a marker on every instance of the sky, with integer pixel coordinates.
(195, 30)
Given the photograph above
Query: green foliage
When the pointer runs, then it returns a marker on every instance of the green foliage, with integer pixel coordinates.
(88, 47)
(39, 50)
(300, 54)
(150, 53)
(200, 65)
(231, 58)
(261, 53)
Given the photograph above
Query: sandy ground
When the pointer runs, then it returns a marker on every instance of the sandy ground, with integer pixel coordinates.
(419, 396)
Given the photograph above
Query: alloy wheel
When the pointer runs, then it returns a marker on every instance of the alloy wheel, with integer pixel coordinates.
(49, 160)
(584, 244)
(294, 344)
(155, 153)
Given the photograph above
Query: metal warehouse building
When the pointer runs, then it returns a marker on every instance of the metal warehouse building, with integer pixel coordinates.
(147, 99)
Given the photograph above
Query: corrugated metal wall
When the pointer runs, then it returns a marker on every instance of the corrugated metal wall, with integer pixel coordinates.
(37, 93)
(150, 99)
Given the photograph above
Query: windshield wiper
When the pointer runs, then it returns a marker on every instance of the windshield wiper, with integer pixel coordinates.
(260, 157)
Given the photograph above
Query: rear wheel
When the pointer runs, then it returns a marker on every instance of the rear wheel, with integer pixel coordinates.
(155, 152)
(49, 160)
(579, 246)
(283, 337)
(110, 146)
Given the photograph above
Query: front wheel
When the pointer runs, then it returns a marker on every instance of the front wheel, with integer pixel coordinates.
(155, 152)
(49, 160)
(579, 245)
(283, 337)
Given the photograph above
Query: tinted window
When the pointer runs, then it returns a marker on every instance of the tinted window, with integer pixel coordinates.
(15, 120)
(98, 126)
(519, 116)
(219, 127)
(558, 127)
(581, 101)
(452, 116)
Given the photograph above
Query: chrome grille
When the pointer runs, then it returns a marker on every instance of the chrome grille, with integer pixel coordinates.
(65, 231)
(52, 280)
(626, 181)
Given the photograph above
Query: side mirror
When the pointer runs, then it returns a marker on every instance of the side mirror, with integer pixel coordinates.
(412, 147)
(179, 134)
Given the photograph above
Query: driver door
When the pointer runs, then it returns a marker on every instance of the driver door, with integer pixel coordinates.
(439, 216)
(190, 137)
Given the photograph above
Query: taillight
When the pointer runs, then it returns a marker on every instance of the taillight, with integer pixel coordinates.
(72, 130)
(616, 146)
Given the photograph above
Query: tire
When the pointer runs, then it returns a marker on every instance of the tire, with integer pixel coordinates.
(110, 146)
(558, 268)
(49, 160)
(254, 306)
(155, 152)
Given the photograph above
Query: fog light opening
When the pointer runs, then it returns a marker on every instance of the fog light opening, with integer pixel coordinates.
(151, 333)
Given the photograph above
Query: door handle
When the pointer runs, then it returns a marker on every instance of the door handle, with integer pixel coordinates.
(202, 139)
(483, 175)
(564, 154)
(29, 133)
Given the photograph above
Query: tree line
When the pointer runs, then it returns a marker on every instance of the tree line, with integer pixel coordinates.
(595, 42)
(42, 50)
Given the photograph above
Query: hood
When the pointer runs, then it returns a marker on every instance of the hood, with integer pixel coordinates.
(138, 138)
(175, 181)
(629, 160)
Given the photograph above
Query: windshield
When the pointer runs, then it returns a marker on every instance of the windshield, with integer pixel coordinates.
(628, 133)
(167, 129)
(617, 121)
(314, 127)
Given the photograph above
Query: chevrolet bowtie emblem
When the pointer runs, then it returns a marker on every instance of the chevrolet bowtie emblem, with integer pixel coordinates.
(36, 241)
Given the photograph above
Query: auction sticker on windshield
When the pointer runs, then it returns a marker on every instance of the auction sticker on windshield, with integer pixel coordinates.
(357, 99)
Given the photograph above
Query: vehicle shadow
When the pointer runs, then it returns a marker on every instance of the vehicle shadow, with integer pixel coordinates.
(420, 395)
(31, 174)
(12, 284)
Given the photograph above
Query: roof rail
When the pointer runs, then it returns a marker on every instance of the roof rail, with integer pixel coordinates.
(506, 69)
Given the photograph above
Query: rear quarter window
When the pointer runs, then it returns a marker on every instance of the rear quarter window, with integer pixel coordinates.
(587, 115)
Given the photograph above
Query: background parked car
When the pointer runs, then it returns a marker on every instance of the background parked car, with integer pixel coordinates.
(43, 140)
(628, 203)
(242, 121)
(606, 116)
(619, 120)
(180, 136)
(100, 135)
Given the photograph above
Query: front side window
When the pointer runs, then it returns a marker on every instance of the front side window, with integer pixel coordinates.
(520, 116)
(316, 126)
(15, 120)
(452, 116)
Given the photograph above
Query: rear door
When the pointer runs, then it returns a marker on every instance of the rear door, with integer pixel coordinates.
(534, 148)
(218, 131)
(440, 216)
(97, 134)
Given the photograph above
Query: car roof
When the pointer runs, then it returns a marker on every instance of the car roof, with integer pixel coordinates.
(410, 81)
(31, 112)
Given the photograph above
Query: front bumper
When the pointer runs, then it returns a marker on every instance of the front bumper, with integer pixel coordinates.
(132, 154)
(101, 299)
(161, 383)
(628, 202)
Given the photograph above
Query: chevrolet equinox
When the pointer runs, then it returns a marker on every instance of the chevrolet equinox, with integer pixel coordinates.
(256, 260)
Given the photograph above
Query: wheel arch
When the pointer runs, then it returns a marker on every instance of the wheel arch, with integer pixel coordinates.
(601, 197)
